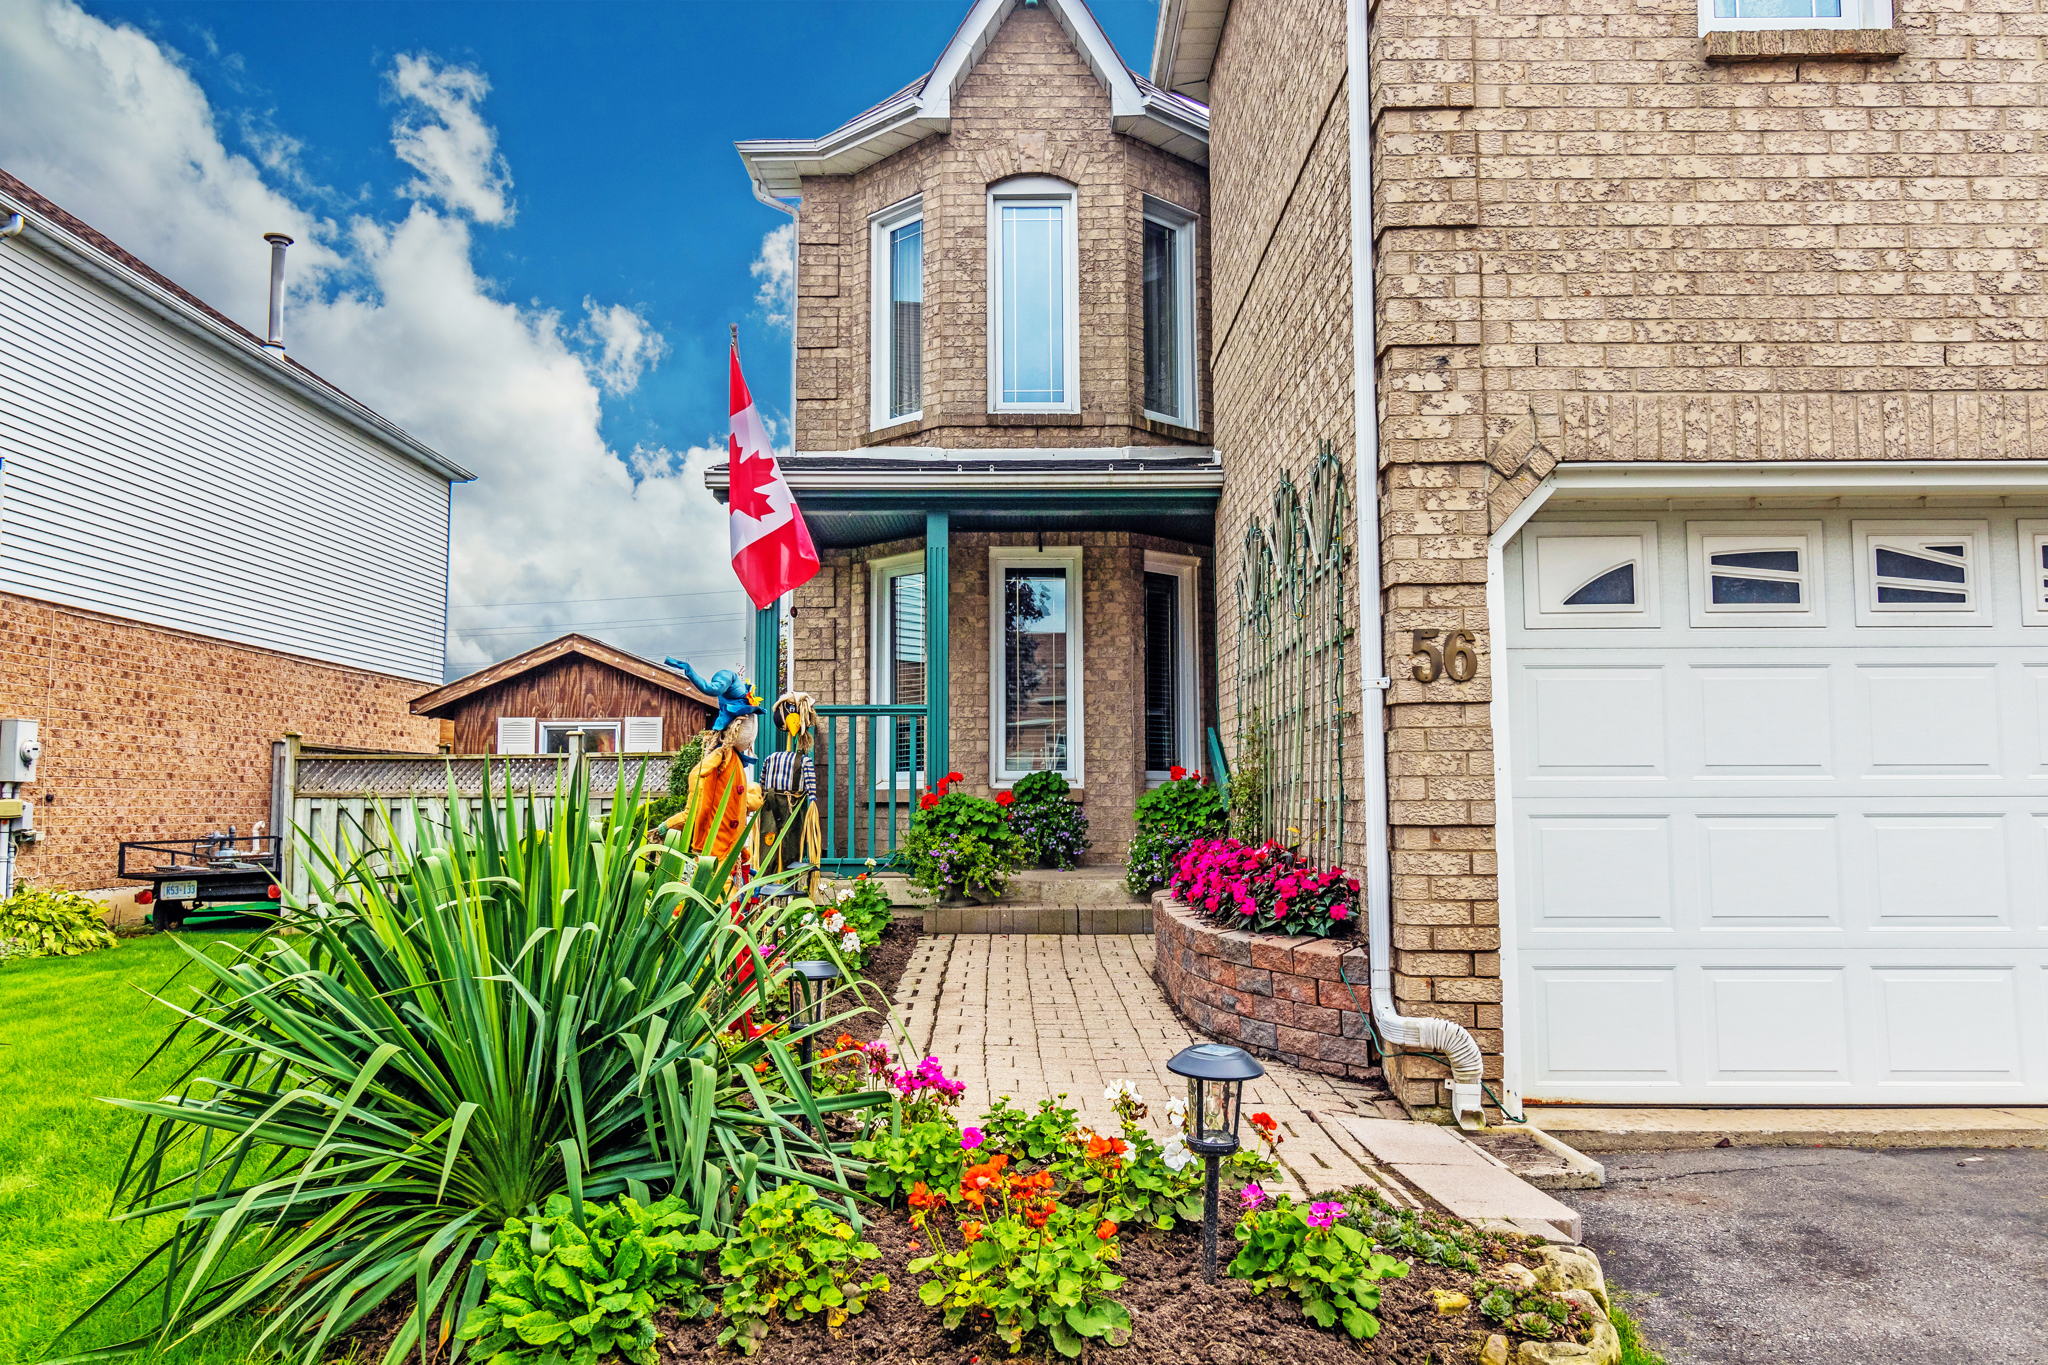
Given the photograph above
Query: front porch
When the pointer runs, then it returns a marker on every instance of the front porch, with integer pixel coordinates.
(1020, 616)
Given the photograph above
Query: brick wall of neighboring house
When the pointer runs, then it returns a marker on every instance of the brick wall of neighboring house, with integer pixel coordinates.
(831, 660)
(1596, 244)
(155, 733)
(1030, 106)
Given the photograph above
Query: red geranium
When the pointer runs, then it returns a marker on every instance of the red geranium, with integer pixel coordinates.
(1176, 772)
(927, 801)
(1006, 798)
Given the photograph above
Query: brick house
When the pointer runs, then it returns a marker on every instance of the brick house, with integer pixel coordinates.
(1627, 536)
(1004, 463)
(204, 546)
(1707, 354)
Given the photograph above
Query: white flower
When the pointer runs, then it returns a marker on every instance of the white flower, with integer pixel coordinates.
(1176, 1153)
(834, 921)
(849, 942)
(1177, 1112)
(1119, 1091)
(871, 862)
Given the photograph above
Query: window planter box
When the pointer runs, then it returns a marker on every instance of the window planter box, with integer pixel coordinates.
(1274, 996)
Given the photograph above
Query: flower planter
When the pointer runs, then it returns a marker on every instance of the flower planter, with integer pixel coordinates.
(1302, 1001)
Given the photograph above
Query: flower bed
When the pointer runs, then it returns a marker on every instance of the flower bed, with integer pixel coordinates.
(1284, 998)
(1265, 887)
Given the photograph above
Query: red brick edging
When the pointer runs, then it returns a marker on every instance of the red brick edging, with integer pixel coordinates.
(1272, 995)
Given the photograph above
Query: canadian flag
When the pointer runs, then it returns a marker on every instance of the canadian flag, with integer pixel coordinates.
(771, 547)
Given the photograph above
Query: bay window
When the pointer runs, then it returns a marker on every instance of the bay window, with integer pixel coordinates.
(897, 287)
(1169, 313)
(1034, 317)
(1035, 645)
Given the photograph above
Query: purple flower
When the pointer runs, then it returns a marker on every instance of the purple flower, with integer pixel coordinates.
(1251, 1196)
(1324, 1213)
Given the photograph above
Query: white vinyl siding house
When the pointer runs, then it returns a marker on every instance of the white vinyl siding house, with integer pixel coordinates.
(161, 474)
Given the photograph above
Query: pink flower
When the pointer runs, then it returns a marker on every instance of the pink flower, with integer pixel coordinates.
(1339, 912)
(970, 1138)
(1251, 1196)
(1324, 1213)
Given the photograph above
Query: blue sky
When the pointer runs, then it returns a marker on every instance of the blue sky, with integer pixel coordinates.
(574, 193)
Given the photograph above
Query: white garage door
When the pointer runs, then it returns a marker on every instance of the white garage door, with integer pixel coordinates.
(1779, 816)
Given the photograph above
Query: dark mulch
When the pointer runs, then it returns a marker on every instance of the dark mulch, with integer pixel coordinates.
(1176, 1319)
(884, 968)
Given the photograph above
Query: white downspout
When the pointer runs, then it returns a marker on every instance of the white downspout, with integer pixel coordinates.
(1415, 1033)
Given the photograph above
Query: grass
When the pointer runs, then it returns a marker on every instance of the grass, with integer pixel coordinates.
(73, 1029)
(1634, 1350)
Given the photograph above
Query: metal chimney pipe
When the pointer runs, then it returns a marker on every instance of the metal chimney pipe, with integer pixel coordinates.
(274, 337)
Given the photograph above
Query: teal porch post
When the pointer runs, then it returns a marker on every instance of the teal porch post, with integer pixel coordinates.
(938, 595)
(767, 671)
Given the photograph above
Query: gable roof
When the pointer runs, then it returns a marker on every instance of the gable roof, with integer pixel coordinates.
(562, 647)
(1184, 45)
(923, 108)
(49, 225)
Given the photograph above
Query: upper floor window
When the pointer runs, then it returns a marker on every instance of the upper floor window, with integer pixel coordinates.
(1169, 302)
(898, 290)
(1740, 14)
(1034, 317)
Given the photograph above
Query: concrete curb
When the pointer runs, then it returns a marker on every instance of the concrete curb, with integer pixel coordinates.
(1670, 1130)
(1465, 1180)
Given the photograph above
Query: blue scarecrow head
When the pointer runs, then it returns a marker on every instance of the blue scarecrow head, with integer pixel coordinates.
(734, 694)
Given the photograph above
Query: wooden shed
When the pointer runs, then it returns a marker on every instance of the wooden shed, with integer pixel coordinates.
(531, 702)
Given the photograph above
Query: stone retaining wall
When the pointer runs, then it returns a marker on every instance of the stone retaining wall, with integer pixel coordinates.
(1274, 996)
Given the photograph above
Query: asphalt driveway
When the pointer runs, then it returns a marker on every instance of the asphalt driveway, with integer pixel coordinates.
(1807, 1256)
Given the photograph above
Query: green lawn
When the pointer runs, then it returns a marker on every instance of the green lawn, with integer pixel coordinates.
(73, 1029)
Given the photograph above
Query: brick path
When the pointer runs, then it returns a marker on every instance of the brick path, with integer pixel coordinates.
(1031, 1015)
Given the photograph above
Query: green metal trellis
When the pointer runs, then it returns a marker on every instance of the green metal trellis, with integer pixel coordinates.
(1293, 626)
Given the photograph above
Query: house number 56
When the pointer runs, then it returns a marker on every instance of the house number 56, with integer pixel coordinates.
(1455, 659)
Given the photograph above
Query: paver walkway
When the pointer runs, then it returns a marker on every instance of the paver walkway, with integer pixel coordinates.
(1032, 1015)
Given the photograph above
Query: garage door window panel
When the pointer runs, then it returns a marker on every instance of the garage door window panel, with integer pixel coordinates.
(2033, 543)
(1924, 574)
(1593, 575)
(1766, 574)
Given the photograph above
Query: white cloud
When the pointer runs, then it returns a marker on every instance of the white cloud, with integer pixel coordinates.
(626, 347)
(442, 135)
(109, 124)
(775, 270)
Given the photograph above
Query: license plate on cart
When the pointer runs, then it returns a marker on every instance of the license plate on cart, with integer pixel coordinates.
(178, 891)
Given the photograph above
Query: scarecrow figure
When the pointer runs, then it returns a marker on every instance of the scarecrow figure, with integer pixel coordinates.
(735, 697)
(722, 795)
(789, 779)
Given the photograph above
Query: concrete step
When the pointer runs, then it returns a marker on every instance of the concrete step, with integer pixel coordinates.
(1599, 1129)
(1086, 888)
(1006, 917)
(1464, 1179)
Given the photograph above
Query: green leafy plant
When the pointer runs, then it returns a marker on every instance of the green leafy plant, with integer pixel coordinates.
(39, 923)
(791, 1256)
(905, 1155)
(1247, 815)
(1052, 826)
(960, 845)
(1032, 1266)
(574, 1290)
(1422, 1234)
(1043, 1134)
(524, 1003)
(853, 915)
(1529, 1312)
(1328, 1266)
(1171, 816)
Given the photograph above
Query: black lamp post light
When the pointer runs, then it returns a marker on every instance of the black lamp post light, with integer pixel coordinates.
(809, 984)
(1216, 1075)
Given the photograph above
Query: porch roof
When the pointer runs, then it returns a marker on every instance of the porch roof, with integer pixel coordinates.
(862, 498)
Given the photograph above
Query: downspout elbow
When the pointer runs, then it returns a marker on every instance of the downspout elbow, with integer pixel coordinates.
(13, 225)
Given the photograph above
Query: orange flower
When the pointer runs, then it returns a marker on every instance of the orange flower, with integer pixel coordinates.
(924, 1200)
(1036, 1214)
(761, 1067)
(845, 1042)
(1100, 1147)
(1105, 1230)
(970, 1232)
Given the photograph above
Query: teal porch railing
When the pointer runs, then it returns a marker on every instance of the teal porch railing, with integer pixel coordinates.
(872, 767)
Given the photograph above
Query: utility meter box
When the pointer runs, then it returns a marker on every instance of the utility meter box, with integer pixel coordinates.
(20, 747)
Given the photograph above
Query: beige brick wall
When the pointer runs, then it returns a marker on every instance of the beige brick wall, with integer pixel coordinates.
(831, 654)
(1594, 244)
(150, 733)
(1030, 106)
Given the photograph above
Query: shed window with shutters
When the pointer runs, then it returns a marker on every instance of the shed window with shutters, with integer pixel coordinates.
(1173, 725)
(599, 736)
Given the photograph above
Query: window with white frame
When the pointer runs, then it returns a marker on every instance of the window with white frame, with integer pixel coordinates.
(1756, 14)
(1756, 573)
(599, 736)
(1172, 696)
(896, 594)
(1590, 574)
(1035, 648)
(1921, 573)
(1169, 313)
(1034, 306)
(2033, 543)
(897, 287)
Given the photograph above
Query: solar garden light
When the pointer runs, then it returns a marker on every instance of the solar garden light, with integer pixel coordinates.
(807, 991)
(1216, 1075)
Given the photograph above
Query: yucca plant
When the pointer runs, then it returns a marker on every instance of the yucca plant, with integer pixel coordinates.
(525, 1003)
